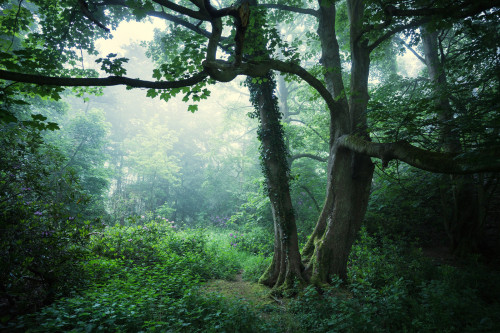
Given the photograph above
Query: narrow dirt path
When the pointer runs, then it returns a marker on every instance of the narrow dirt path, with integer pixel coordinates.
(253, 293)
(257, 297)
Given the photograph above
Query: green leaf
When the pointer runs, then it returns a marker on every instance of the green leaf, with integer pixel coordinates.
(39, 117)
(152, 93)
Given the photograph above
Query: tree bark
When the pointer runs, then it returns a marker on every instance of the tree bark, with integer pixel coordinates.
(339, 120)
(349, 173)
(286, 266)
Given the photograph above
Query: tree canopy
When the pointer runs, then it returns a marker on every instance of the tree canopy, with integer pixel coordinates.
(344, 52)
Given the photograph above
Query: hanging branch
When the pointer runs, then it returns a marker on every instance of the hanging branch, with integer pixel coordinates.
(100, 82)
(313, 199)
(415, 53)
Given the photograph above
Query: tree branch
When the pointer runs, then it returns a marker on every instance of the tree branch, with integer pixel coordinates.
(311, 156)
(292, 9)
(218, 13)
(449, 163)
(397, 29)
(456, 10)
(180, 21)
(311, 128)
(226, 71)
(305, 188)
(100, 82)
(85, 10)
(170, 17)
(168, 4)
(199, 15)
(419, 57)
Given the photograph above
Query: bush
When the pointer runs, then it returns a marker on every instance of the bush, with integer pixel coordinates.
(42, 232)
(42, 250)
(393, 288)
(147, 279)
(256, 240)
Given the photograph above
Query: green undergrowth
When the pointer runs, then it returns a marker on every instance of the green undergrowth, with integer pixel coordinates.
(154, 278)
(145, 279)
(392, 287)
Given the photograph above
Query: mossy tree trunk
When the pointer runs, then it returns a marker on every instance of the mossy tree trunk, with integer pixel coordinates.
(286, 266)
(349, 173)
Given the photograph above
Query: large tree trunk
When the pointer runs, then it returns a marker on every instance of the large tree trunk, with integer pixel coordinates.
(460, 202)
(350, 202)
(339, 122)
(286, 266)
(349, 173)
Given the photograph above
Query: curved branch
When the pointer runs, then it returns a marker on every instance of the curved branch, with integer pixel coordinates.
(221, 70)
(100, 82)
(305, 188)
(86, 12)
(397, 29)
(292, 68)
(226, 71)
(450, 163)
(311, 156)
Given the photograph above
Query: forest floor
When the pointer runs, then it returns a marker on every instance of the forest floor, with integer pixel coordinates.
(272, 310)
(253, 293)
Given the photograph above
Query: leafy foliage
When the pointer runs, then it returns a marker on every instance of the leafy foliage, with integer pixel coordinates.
(42, 238)
(145, 273)
(394, 289)
(147, 280)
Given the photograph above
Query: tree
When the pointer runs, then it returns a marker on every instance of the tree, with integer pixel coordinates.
(252, 50)
(463, 207)
(444, 111)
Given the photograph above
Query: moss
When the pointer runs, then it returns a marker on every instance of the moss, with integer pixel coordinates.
(267, 276)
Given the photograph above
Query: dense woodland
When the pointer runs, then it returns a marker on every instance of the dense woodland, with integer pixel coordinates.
(256, 166)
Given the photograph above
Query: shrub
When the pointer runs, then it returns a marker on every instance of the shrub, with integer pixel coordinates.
(141, 292)
(393, 288)
(256, 240)
(42, 248)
